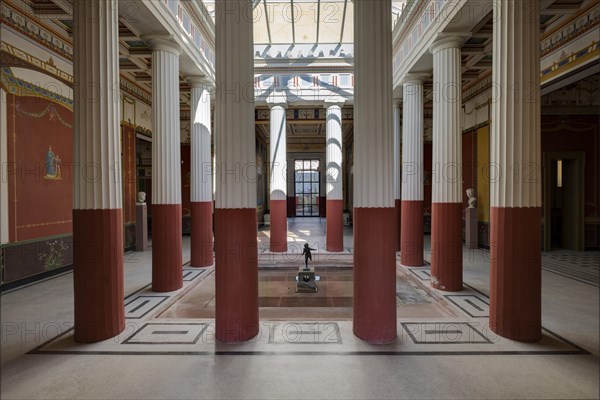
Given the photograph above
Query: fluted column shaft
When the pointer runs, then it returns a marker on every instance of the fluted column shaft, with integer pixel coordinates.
(446, 213)
(411, 240)
(515, 155)
(167, 272)
(236, 174)
(397, 143)
(201, 175)
(334, 235)
(278, 181)
(97, 197)
(374, 247)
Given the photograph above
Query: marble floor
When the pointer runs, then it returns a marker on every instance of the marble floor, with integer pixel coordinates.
(305, 348)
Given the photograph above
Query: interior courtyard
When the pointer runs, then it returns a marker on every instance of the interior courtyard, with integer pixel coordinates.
(300, 199)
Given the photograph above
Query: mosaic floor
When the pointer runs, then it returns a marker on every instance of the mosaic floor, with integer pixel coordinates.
(429, 322)
(580, 266)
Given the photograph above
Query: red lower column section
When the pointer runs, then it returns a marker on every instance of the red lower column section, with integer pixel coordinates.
(411, 240)
(98, 274)
(278, 226)
(398, 223)
(516, 273)
(202, 234)
(334, 235)
(446, 246)
(236, 275)
(374, 275)
(167, 263)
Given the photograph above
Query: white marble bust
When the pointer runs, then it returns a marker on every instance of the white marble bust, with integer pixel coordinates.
(472, 198)
(141, 197)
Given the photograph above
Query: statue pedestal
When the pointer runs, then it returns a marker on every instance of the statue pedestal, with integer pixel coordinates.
(305, 281)
(141, 227)
(471, 232)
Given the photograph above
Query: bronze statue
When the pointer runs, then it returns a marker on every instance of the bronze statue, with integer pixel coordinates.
(307, 254)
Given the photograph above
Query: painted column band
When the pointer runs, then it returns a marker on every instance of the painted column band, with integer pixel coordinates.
(236, 255)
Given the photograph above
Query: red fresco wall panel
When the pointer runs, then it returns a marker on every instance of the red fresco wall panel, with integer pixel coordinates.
(40, 148)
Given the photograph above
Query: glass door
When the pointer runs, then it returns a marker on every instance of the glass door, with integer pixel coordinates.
(307, 187)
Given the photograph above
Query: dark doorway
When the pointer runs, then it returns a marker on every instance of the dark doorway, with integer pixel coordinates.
(563, 201)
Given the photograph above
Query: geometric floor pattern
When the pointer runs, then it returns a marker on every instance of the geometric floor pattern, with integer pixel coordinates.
(146, 333)
(580, 266)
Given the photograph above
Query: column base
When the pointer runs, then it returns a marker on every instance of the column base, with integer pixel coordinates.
(398, 206)
(278, 242)
(236, 269)
(202, 235)
(411, 251)
(374, 275)
(167, 263)
(516, 273)
(334, 234)
(98, 274)
(446, 247)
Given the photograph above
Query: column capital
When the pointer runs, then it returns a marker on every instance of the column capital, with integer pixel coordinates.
(415, 77)
(280, 101)
(197, 81)
(449, 40)
(162, 43)
(334, 101)
(397, 103)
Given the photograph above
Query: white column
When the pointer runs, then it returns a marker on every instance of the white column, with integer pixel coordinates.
(447, 194)
(515, 132)
(234, 112)
(447, 132)
(166, 137)
(236, 315)
(412, 138)
(200, 139)
(397, 144)
(278, 150)
(411, 239)
(97, 194)
(334, 241)
(278, 171)
(166, 165)
(334, 149)
(201, 179)
(374, 213)
(515, 158)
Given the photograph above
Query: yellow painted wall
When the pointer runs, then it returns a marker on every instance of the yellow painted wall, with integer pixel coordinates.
(483, 172)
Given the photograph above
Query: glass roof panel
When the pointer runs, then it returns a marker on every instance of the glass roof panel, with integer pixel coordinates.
(305, 21)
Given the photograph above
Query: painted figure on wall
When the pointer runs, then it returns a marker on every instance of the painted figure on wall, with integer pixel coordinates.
(53, 162)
